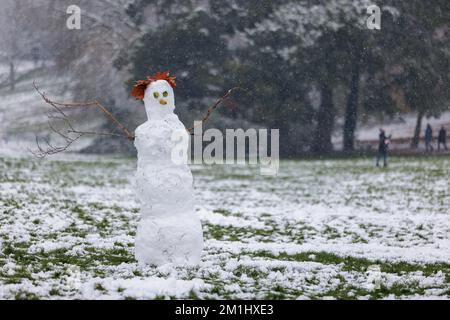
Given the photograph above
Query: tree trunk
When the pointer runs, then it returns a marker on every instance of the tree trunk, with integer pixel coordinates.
(416, 138)
(325, 121)
(351, 112)
(12, 76)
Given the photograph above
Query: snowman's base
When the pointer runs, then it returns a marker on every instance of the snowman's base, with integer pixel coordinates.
(162, 240)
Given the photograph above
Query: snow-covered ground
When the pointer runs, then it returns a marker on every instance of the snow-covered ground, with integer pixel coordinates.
(321, 229)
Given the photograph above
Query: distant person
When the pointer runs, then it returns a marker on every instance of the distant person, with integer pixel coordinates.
(428, 138)
(383, 145)
(442, 138)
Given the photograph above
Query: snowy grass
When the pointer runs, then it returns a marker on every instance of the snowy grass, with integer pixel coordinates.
(321, 229)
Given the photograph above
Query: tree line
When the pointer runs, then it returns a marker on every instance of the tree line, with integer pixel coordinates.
(311, 67)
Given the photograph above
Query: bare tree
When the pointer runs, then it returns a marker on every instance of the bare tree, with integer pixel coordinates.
(24, 26)
(9, 33)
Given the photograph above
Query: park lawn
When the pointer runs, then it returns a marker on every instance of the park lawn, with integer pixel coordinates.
(339, 229)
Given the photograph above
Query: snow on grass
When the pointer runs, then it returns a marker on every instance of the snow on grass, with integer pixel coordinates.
(321, 229)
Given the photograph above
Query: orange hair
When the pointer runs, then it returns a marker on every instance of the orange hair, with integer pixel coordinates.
(138, 90)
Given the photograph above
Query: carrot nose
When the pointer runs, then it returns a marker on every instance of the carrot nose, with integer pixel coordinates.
(163, 102)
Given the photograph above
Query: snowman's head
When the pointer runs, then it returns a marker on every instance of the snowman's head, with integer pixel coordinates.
(157, 93)
(159, 99)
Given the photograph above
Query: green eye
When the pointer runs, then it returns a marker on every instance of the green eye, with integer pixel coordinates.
(165, 94)
(156, 95)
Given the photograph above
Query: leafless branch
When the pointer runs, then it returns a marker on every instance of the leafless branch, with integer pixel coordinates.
(214, 107)
(50, 150)
(71, 134)
(59, 106)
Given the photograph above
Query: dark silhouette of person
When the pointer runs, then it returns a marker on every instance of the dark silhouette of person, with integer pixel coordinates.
(442, 138)
(428, 138)
(383, 145)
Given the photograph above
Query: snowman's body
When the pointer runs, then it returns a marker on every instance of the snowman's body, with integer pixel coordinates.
(169, 230)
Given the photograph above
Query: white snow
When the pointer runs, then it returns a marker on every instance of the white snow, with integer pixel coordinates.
(67, 231)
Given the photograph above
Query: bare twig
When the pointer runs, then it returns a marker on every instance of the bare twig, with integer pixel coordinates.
(60, 105)
(41, 153)
(71, 134)
(128, 134)
(214, 107)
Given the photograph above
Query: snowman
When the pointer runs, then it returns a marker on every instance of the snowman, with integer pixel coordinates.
(169, 230)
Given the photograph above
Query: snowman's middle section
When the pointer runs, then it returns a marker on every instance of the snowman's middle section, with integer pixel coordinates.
(169, 230)
(164, 187)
